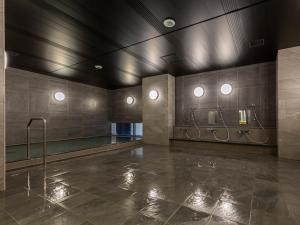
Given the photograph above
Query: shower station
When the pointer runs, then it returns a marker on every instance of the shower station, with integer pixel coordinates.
(215, 115)
(215, 118)
(243, 120)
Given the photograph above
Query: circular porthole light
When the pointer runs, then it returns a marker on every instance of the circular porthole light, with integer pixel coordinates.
(226, 89)
(153, 94)
(59, 96)
(130, 100)
(98, 67)
(169, 22)
(198, 92)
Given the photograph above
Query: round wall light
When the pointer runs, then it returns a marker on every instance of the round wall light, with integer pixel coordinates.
(59, 96)
(153, 94)
(130, 100)
(226, 89)
(98, 67)
(198, 92)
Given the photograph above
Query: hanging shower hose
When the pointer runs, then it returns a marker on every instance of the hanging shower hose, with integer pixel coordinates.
(261, 126)
(226, 127)
(192, 114)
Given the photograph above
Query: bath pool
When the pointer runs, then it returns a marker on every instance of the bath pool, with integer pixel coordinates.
(19, 152)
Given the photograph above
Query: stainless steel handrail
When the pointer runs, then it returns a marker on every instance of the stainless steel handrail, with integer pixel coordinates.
(44, 138)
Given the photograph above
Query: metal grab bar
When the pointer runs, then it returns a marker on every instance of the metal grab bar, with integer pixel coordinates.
(44, 141)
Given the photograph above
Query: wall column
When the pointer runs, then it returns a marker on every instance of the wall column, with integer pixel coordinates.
(288, 103)
(2, 97)
(159, 114)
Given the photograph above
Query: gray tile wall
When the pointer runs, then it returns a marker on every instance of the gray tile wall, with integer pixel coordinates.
(84, 112)
(158, 115)
(2, 98)
(288, 89)
(253, 84)
(123, 112)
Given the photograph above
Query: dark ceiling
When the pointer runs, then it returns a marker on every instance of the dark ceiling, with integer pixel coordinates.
(66, 38)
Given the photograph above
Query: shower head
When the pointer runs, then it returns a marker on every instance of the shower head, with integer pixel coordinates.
(219, 108)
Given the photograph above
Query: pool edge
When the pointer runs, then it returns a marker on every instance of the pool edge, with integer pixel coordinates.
(69, 155)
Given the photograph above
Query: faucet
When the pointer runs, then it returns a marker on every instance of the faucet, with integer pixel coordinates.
(243, 132)
(211, 130)
(252, 106)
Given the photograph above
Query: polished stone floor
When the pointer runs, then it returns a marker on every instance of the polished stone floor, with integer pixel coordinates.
(155, 185)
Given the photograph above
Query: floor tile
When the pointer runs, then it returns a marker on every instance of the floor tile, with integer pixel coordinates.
(113, 215)
(66, 219)
(91, 208)
(237, 213)
(238, 197)
(140, 219)
(188, 216)
(159, 209)
(201, 203)
(215, 220)
(36, 214)
(260, 217)
(136, 201)
(175, 193)
(175, 185)
(77, 199)
(116, 195)
(98, 210)
(20, 200)
(102, 190)
(209, 190)
(10, 192)
(55, 192)
(5, 219)
(271, 209)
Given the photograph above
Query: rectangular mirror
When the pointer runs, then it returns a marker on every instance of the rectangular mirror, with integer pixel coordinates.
(212, 117)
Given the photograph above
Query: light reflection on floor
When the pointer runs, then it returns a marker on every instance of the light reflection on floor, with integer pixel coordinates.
(155, 185)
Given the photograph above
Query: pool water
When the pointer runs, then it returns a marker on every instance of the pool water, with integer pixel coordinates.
(19, 152)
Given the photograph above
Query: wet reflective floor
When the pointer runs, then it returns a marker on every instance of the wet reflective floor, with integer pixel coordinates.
(155, 185)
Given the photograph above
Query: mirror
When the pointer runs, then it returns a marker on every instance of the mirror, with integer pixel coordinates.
(212, 120)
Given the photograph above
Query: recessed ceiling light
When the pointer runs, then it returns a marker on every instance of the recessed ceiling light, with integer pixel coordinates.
(98, 67)
(169, 22)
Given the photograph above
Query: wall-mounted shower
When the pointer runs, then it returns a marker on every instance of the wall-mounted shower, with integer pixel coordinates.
(209, 119)
(251, 109)
(214, 131)
(213, 115)
(195, 124)
(238, 120)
